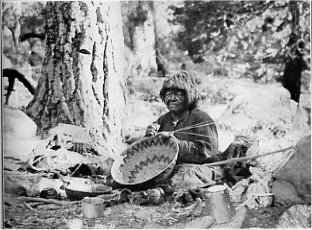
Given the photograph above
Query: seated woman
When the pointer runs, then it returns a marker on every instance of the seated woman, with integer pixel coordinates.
(197, 146)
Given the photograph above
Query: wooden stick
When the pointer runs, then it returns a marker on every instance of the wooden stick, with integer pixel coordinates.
(48, 201)
(35, 204)
(31, 208)
(49, 207)
(234, 160)
(76, 169)
(204, 123)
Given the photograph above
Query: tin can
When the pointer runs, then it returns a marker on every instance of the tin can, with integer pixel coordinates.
(218, 203)
(92, 207)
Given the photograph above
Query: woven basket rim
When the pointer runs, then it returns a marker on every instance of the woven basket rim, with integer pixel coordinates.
(119, 161)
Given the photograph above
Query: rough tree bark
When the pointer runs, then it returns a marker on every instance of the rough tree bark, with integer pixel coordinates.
(82, 80)
(142, 38)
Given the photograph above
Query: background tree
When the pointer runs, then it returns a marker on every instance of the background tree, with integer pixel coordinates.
(206, 25)
(141, 37)
(23, 49)
(82, 81)
(260, 32)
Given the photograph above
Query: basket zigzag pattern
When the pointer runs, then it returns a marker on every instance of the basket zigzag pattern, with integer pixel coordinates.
(146, 159)
(145, 145)
(143, 164)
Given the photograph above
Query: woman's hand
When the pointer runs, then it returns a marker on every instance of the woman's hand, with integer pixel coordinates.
(152, 129)
(169, 135)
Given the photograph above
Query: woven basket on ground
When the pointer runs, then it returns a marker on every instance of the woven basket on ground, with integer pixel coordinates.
(146, 162)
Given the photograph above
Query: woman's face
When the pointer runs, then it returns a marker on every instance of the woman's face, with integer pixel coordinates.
(175, 101)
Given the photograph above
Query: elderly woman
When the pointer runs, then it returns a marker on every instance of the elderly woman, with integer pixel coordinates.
(197, 146)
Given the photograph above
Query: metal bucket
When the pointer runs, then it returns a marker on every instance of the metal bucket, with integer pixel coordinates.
(218, 203)
(92, 207)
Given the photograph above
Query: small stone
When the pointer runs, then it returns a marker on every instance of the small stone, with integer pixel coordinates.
(297, 216)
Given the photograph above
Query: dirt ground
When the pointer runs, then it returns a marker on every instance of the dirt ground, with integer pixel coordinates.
(121, 216)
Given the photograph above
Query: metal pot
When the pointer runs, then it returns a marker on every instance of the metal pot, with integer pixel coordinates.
(218, 203)
(92, 207)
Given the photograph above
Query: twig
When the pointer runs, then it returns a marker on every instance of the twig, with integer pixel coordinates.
(28, 206)
(205, 123)
(234, 160)
(76, 169)
(48, 201)
(195, 134)
(35, 204)
(48, 207)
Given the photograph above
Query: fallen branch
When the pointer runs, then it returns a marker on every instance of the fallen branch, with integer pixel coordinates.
(48, 207)
(28, 206)
(35, 204)
(47, 201)
(234, 160)
(13, 74)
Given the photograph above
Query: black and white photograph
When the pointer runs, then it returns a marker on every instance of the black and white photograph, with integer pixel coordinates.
(156, 114)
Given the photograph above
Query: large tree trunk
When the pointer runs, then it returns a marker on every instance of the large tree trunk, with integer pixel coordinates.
(82, 80)
(142, 37)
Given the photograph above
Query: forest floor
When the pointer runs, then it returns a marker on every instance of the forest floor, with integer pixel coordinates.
(122, 216)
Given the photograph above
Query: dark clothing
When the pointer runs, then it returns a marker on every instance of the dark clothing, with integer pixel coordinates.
(193, 148)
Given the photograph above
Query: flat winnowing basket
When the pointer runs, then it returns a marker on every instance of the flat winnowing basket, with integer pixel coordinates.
(148, 160)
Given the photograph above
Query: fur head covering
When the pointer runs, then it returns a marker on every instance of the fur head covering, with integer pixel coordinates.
(182, 81)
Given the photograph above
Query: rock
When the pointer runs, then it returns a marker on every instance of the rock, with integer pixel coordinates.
(17, 150)
(6, 62)
(17, 124)
(297, 216)
(285, 193)
(293, 181)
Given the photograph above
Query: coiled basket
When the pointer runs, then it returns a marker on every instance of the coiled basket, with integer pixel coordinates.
(146, 162)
